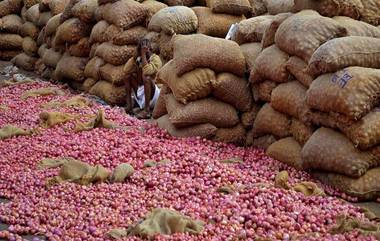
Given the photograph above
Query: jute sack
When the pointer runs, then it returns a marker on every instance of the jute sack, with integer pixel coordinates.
(113, 74)
(251, 51)
(269, 34)
(252, 29)
(93, 50)
(130, 36)
(111, 94)
(102, 2)
(263, 91)
(264, 142)
(191, 86)
(271, 122)
(300, 131)
(113, 54)
(11, 24)
(171, 20)
(58, 6)
(71, 68)
(187, 3)
(42, 50)
(215, 24)
(299, 69)
(52, 25)
(339, 53)
(7, 55)
(233, 7)
(153, 7)
(165, 43)
(370, 12)
(365, 188)
(329, 150)
(29, 29)
(81, 49)
(44, 6)
(352, 92)
(30, 3)
(67, 13)
(8, 7)
(276, 7)
(287, 151)
(271, 65)
(247, 118)
(302, 33)
(43, 19)
(112, 32)
(201, 51)
(33, 14)
(98, 32)
(125, 13)
(29, 46)
(233, 90)
(331, 8)
(92, 68)
(258, 7)
(41, 37)
(24, 61)
(358, 28)
(85, 10)
(207, 110)
(290, 98)
(235, 135)
(71, 31)
(10, 41)
(88, 83)
(201, 130)
(159, 109)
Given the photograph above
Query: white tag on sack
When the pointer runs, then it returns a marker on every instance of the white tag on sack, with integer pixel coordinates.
(231, 31)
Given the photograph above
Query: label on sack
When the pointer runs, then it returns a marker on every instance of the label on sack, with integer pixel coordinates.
(341, 78)
(232, 31)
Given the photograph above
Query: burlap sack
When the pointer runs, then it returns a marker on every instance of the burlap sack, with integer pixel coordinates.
(233, 7)
(330, 8)
(85, 10)
(258, 7)
(302, 33)
(271, 65)
(171, 20)
(339, 53)
(201, 130)
(102, 2)
(8, 7)
(130, 36)
(287, 151)
(81, 49)
(52, 25)
(252, 29)
(9, 131)
(165, 43)
(329, 150)
(187, 3)
(41, 37)
(67, 13)
(264, 142)
(214, 24)
(51, 58)
(159, 109)
(271, 122)
(10, 41)
(191, 86)
(92, 68)
(124, 13)
(263, 91)
(58, 6)
(251, 51)
(114, 54)
(24, 61)
(299, 69)
(111, 94)
(352, 92)
(370, 12)
(121, 172)
(33, 14)
(71, 68)
(153, 7)
(269, 34)
(88, 84)
(233, 90)
(201, 51)
(247, 118)
(71, 31)
(30, 3)
(29, 46)
(42, 50)
(43, 19)
(300, 131)
(7, 55)
(207, 110)
(113, 74)
(235, 135)
(275, 7)
(365, 188)
(29, 29)
(358, 28)
(11, 24)
(290, 98)
(51, 119)
(44, 6)
(98, 32)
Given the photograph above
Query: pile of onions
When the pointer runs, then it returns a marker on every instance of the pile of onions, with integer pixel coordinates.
(187, 183)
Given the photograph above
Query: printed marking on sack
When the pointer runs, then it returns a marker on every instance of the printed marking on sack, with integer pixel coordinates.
(341, 79)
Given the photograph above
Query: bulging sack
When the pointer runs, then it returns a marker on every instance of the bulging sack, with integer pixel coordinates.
(208, 110)
(233, 7)
(171, 20)
(263, 91)
(92, 68)
(52, 25)
(58, 6)
(71, 68)
(251, 51)
(329, 150)
(191, 86)
(264, 142)
(247, 118)
(7, 55)
(33, 14)
(276, 7)
(302, 33)
(339, 53)
(29, 46)
(71, 31)
(8, 7)
(11, 24)
(130, 36)
(252, 29)
(370, 12)
(43, 19)
(358, 28)
(352, 92)
(29, 29)
(113, 74)
(299, 69)
(269, 34)
(114, 54)
(287, 151)
(98, 32)
(85, 10)
(233, 90)
(81, 49)
(153, 7)
(24, 61)
(300, 131)
(111, 94)
(235, 135)
(10, 41)
(271, 122)
(201, 51)
(88, 83)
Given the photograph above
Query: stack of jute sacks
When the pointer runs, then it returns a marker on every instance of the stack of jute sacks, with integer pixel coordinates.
(204, 90)
(319, 81)
(10, 29)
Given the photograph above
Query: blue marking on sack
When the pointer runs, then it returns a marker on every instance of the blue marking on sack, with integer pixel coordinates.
(342, 79)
